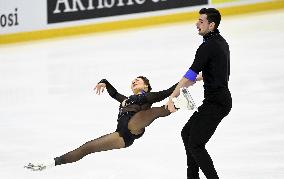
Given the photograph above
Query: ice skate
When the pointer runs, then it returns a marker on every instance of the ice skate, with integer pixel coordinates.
(184, 100)
(39, 166)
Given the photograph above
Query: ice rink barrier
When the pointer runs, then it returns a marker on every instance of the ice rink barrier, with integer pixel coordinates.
(41, 19)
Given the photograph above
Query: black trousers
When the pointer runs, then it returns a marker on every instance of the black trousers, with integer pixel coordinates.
(199, 129)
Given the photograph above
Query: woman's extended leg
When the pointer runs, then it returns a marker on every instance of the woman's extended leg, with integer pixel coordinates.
(111, 141)
(104, 143)
(144, 118)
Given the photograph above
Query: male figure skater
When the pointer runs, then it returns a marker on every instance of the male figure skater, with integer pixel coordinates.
(212, 58)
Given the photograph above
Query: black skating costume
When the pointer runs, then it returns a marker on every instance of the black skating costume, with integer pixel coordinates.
(133, 104)
(132, 107)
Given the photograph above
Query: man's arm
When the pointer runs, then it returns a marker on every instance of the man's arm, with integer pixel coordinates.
(187, 80)
(184, 82)
(199, 77)
(191, 76)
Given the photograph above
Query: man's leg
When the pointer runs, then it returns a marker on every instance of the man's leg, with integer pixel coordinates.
(192, 167)
(202, 128)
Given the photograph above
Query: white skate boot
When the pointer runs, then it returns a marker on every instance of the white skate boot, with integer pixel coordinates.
(184, 100)
(39, 166)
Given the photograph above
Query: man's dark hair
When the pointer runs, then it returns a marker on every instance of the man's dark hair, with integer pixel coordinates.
(213, 15)
(146, 81)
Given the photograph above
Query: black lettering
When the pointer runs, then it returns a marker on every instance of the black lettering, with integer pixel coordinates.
(16, 16)
(10, 20)
(3, 20)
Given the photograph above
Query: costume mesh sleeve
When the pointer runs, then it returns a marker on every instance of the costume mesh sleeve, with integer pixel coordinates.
(113, 92)
(153, 97)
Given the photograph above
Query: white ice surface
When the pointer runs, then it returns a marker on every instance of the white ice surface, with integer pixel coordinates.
(48, 106)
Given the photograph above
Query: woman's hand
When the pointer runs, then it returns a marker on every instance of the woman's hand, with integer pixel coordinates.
(170, 106)
(100, 87)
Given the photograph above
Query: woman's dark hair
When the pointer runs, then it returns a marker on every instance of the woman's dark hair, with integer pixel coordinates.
(146, 81)
(213, 15)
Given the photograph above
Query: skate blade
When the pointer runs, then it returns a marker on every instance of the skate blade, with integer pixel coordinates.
(190, 102)
(33, 167)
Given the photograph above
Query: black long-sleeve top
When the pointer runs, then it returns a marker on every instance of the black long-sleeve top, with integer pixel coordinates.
(213, 59)
(137, 102)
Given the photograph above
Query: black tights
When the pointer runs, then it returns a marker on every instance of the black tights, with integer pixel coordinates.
(112, 141)
(104, 143)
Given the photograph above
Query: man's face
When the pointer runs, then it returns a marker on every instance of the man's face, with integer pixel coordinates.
(203, 25)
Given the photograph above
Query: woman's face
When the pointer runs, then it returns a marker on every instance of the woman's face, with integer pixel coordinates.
(138, 85)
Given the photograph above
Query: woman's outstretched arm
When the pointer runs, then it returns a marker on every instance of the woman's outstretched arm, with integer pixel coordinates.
(150, 97)
(110, 89)
(153, 97)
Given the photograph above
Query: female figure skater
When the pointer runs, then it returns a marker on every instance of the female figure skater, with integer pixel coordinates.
(129, 126)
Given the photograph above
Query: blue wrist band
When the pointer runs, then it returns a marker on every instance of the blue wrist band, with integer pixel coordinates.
(190, 75)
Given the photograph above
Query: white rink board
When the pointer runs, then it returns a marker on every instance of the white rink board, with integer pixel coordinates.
(31, 15)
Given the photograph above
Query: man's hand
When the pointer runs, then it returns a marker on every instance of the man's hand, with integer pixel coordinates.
(170, 106)
(100, 87)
